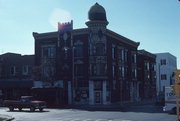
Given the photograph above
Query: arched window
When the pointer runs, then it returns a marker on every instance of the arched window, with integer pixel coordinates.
(100, 49)
(78, 49)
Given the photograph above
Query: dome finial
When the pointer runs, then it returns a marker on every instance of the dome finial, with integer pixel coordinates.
(97, 12)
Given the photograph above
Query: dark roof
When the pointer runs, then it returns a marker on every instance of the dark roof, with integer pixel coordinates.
(146, 53)
(122, 38)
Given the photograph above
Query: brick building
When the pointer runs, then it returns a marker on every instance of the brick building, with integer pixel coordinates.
(147, 75)
(94, 64)
(15, 74)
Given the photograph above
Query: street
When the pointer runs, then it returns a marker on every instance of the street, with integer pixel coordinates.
(135, 113)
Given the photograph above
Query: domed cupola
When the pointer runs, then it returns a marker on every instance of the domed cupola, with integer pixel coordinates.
(97, 13)
(97, 16)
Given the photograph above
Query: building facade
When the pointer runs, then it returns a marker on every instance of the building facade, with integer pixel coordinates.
(166, 64)
(94, 64)
(16, 74)
(147, 75)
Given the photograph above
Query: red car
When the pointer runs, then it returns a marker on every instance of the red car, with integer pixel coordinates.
(25, 102)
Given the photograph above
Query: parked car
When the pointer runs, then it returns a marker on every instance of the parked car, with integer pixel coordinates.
(25, 102)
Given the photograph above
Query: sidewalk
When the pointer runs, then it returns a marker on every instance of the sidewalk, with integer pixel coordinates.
(111, 107)
(6, 117)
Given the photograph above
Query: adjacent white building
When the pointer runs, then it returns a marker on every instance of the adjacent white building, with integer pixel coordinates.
(166, 64)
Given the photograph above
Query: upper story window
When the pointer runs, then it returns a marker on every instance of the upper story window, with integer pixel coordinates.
(78, 48)
(13, 70)
(163, 61)
(163, 77)
(121, 54)
(125, 55)
(79, 69)
(134, 73)
(101, 69)
(134, 57)
(25, 70)
(123, 72)
(100, 49)
(98, 69)
(113, 70)
(153, 66)
(147, 66)
(48, 72)
(113, 51)
(48, 51)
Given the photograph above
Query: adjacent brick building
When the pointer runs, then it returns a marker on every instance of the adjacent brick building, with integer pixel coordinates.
(147, 75)
(16, 74)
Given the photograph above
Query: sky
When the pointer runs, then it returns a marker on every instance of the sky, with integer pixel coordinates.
(153, 23)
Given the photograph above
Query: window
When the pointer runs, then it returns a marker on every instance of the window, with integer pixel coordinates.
(125, 55)
(122, 54)
(25, 70)
(133, 57)
(163, 77)
(97, 85)
(122, 71)
(147, 66)
(113, 70)
(48, 51)
(13, 70)
(134, 73)
(78, 49)
(148, 76)
(100, 49)
(48, 72)
(163, 61)
(114, 84)
(113, 51)
(79, 69)
(101, 69)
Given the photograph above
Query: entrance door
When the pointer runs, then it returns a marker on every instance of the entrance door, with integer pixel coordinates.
(97, 97)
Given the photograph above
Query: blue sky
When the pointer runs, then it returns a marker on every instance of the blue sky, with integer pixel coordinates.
(153, 23)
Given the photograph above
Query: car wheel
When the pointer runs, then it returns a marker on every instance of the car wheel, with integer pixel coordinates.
(11, 108)
(32, 109)
(41, 109)
(20, 109)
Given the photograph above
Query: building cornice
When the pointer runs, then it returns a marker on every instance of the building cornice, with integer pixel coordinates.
(121, 38)
(55, 34)
(45, 35)
(80, 31)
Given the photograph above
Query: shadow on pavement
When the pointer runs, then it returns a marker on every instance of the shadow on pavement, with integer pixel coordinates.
(144, 109)
(117, 108)
(28, 111)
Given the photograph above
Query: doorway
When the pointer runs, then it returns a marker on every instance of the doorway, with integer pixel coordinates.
(97, 97)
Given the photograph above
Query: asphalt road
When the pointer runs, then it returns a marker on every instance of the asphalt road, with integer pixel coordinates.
(136, 113)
